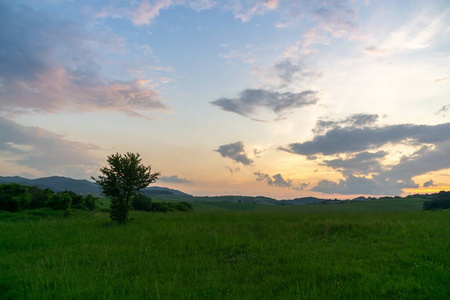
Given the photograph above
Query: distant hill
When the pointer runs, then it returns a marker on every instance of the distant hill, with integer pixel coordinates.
(303, 201)
(158, 190)
(80, 186)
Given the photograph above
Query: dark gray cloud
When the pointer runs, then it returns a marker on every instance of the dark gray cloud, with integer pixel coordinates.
(360, 163)
(252, 99)
(353, 139)
(49, 64)
(428, 183)
(236, 152)
(354, 121)
(45, 151)
(352, 146)
(362, 185)
(174, 179)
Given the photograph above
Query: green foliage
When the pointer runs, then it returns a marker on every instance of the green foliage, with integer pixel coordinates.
(60, 201)
(77, 200)
(160, 207)
(39, 197)
(90, 202)
(441, 201)
(14, 197)
(121, 180)
(142, 202)
(183, 206)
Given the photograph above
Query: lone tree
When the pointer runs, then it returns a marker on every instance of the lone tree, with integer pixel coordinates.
(123, 179)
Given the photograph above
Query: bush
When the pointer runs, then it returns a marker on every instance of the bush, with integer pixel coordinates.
(142, 202)
(14, 197)
(90, 202)
(59, 201)
(39, 197)
(183, 206)
(160, 207)
(77, 200)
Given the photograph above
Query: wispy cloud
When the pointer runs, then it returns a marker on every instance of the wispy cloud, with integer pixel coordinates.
(250, 100)
(144, 12)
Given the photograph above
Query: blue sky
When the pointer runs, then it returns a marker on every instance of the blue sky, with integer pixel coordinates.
(327, 98)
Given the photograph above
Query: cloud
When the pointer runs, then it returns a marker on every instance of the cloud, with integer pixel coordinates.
(443, 109)
(287, 74)
(361, 163)
(174, 179)
(236, 152)
(233, 170)
(361, 185)
(425, 26)
(355, 121)
(45, 151)
(353, 147)
(251, 99)
(428, 183)
(246, 10)
(334, 19)
(275, 180)
(144, 12)
(354, 139)
(278, 181)
(51, 64)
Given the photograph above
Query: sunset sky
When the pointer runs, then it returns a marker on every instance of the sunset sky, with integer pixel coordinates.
(279, 98)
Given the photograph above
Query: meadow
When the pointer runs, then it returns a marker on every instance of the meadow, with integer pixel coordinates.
(385, 249)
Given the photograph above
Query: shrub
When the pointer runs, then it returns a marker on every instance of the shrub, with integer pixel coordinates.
(39, 196)
(183, 206)
(142, 202)
(59, 201)
(77, 200)
(160, 207)
(14, 197)
(90, 202)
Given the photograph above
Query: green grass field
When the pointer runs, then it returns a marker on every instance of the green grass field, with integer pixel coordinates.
(386, 249)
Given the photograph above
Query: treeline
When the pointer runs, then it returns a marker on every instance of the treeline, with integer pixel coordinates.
(145, 203)
(15, 197)
(441, 201)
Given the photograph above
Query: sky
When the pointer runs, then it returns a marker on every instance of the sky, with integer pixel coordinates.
(281, 98)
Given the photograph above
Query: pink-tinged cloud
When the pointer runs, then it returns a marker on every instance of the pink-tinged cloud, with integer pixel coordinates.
(259, 8)
(146, 12)
(45, 151)
(49, 64)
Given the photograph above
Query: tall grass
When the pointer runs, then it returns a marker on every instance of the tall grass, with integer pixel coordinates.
(235, 255)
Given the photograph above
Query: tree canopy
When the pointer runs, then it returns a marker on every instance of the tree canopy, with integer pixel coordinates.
(123, 178)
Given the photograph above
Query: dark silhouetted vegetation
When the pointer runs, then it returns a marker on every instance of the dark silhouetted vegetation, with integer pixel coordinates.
(122, 180)
(440, 201)
(144, 203)
(16, 197)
